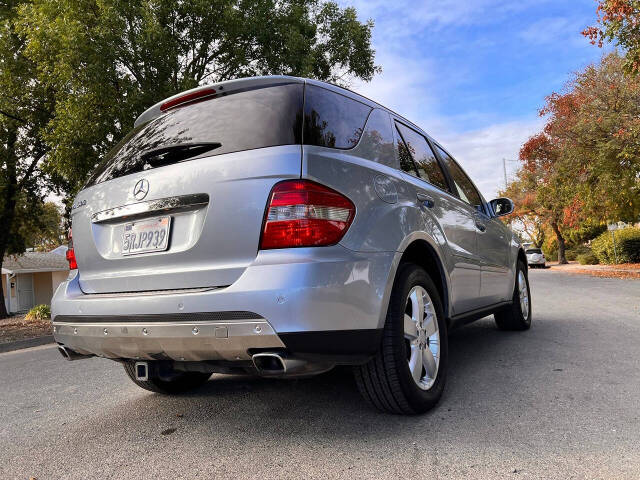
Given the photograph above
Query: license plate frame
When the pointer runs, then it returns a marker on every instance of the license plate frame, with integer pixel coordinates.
(150, 235)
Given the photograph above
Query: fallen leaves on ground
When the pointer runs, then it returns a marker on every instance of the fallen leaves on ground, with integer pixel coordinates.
(621, 270)
(608, 273)
(17, 328)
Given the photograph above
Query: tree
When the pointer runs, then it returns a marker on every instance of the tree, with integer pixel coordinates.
(45, 231)
(109, 60)
(75, 75)
(542, 183)
(524, 215)
(583, 169)
(25, 109)
(619, 21)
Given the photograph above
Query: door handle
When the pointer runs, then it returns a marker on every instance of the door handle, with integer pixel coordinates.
(426, 200)
(481, 227)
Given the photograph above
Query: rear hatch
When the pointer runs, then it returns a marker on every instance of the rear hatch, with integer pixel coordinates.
(179, 203)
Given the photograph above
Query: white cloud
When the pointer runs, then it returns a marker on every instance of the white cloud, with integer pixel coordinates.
(404, 86)
(411, 76)
(480, 152)
(437, 13)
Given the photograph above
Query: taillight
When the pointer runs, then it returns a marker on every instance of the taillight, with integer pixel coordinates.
(301, 213)
(71, 255)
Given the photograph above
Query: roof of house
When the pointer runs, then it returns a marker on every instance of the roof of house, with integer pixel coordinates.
(34, 262)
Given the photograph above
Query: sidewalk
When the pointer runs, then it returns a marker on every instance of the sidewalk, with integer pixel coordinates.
(624, 270)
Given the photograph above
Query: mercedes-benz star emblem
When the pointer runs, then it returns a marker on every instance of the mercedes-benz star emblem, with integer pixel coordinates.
(141, 189)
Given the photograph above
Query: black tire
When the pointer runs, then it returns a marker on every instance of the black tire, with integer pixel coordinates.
(178, 382)
(386, 381)
(513, 317)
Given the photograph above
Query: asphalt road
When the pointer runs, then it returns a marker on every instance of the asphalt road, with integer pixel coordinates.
(559, 401)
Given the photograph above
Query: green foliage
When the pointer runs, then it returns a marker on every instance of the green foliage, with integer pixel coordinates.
(109, 60)
(588, 258)
(574, 252)
(39, 312)
(627, 246)
(43, 229)
(584, 232)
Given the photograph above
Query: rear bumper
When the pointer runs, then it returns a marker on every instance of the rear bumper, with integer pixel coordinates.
(169, 339)
(539, 261)
(326, 303)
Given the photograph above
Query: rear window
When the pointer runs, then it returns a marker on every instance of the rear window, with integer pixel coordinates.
(534, 250)
(263, 117)
(332, 120)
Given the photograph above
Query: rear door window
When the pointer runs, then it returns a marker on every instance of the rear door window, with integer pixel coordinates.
(245, 120)
(332, 120)
(466, 190)
(415, 147)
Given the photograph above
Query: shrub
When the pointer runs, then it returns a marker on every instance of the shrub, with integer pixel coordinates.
(627, 246)
(574, 252)
(39, 312)
(588, 258)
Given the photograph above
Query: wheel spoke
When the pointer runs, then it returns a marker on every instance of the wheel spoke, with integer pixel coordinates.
(429, 363)
(417, 305)
(415, 363)
(410, 327)
(430, 326)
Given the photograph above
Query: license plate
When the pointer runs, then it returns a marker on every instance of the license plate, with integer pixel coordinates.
(146, 236)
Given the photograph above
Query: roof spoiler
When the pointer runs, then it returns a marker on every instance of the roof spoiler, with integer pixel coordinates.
(210, 91)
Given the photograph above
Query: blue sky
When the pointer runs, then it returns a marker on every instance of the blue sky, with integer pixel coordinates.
(474, 73)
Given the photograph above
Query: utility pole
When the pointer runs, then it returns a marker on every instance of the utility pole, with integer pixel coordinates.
(504, 169)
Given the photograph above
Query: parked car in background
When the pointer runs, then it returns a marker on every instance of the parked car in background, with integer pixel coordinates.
(282, 226)
(535, 258)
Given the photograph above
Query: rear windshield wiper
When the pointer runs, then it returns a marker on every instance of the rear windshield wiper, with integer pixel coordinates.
(168, 154)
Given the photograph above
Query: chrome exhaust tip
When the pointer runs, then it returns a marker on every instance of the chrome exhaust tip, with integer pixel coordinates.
(70, 355)
(271, 364)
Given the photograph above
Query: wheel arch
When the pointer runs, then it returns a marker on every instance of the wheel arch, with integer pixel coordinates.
(422, 250)
(521, 256)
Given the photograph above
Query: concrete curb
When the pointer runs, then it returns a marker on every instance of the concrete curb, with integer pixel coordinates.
(29, 342)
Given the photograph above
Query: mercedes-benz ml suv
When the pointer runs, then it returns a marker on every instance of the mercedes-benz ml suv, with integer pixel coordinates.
(282, 226)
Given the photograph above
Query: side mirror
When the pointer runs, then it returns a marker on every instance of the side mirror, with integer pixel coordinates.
(501, 206)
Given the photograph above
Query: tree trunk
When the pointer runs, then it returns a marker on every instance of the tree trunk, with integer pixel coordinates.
(8, 212)
(562, 259)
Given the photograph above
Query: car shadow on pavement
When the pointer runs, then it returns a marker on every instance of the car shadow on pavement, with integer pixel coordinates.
(491, 372)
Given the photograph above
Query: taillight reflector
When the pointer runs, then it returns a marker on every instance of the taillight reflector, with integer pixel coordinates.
(71, 255)
(302, 213)
(187, 98)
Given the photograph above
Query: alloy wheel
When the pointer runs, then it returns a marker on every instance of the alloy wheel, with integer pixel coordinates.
(422, 338)
(523, 293)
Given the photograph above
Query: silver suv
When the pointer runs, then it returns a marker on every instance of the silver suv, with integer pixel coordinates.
(283, 226)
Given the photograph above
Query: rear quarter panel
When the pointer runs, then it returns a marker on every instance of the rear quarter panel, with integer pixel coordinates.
(379, 225)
